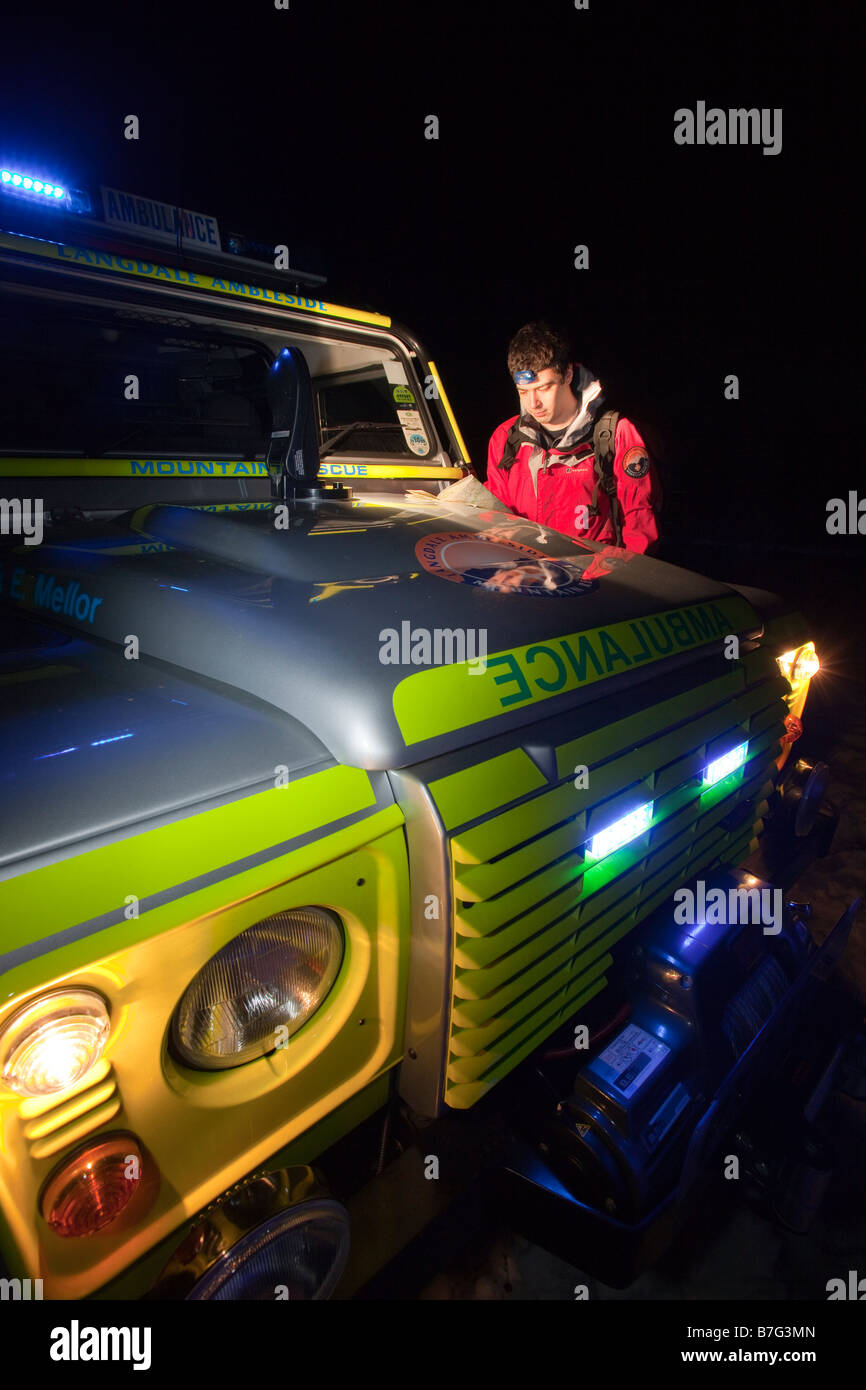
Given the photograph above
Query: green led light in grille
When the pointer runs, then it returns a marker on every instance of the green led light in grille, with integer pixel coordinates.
(723, 767)
(623, 830)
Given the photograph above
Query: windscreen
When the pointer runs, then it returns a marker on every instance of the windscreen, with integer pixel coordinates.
(98, 385)
(90, 389)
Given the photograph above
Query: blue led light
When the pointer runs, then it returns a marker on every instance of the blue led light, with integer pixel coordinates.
(115, 738)
(723, 767)
(28, 184)
(625, 829)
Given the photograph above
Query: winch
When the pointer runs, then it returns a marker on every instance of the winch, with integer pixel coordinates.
(700, 993)
(606, 1163)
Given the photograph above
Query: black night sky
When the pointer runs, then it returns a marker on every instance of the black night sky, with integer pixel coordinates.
(306, 126)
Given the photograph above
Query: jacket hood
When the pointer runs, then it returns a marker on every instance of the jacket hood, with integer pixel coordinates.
(591, 404)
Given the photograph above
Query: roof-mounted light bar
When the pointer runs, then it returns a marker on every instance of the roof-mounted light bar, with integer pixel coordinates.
(26, 183)
(42, 190)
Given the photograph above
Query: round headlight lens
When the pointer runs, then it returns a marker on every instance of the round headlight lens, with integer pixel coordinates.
(53, 1042)
(298, 1254)
(258, 990)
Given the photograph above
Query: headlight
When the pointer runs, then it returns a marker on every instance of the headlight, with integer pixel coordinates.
(53, 1042)
(799, 665)
(274, 1236)
(273, 976)
(301, 1253)
(806, 665)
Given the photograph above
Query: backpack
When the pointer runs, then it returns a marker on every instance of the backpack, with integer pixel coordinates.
(604, 450)
(603, 446)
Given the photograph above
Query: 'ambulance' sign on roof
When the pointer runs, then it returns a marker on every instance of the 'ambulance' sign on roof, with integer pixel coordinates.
(159, 221)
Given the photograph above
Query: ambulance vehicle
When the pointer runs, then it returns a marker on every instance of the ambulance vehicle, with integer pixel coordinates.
(334, 806)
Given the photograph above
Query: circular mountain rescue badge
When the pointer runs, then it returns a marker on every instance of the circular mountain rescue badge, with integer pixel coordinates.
(503, 566)
(636, 462)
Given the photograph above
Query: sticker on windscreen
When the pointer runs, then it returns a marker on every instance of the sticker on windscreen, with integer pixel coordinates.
(403, 396)
(409, 419)
(500, 565)
(417, 441)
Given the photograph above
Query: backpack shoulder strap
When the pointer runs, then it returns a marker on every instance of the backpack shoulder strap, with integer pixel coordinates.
(513, 443)
(604, 449)
(604, 442)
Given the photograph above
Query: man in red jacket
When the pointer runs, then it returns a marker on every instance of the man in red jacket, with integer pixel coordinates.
(566, 462)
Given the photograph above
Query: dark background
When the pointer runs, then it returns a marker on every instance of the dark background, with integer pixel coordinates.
(306, 127)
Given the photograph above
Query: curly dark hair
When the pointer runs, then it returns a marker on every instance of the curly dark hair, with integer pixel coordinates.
(537, 346)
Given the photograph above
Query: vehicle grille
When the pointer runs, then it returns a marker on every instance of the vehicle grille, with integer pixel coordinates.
(534, 916)
(57, 1122)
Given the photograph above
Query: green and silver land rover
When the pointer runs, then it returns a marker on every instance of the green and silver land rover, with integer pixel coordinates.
(334, 806)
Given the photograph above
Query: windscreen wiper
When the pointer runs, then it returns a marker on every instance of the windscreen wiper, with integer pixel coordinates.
(328, 447)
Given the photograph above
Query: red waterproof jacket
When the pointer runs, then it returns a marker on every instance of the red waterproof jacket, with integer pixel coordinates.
(554, 487)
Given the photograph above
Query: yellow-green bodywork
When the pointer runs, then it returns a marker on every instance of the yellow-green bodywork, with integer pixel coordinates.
(487, 760)
(202, 1131)
(535, 916)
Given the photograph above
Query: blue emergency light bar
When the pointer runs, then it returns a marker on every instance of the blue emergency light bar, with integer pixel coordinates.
(43, 191)
(129, 215)
(12, 181)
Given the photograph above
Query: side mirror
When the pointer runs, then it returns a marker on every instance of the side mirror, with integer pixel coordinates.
(293, 454)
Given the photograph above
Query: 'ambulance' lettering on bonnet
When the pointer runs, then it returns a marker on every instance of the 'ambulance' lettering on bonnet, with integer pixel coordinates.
(424, 703)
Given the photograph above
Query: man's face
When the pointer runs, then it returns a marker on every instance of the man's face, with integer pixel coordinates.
(549, 398)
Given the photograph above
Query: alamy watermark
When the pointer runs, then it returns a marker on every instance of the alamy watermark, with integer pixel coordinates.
(758, 906)
(853, 1288)
(737, 126)
(22, 516)
(438, 646)
(77, 1343)
(20, 1290)
(846, 518)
